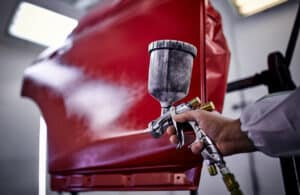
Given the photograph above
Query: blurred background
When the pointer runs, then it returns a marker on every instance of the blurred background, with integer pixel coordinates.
(250, 36)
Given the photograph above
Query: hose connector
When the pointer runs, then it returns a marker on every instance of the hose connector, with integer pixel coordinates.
(231, 184)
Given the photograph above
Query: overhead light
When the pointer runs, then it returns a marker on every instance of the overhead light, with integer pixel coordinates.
(250, 7)
(40, 25)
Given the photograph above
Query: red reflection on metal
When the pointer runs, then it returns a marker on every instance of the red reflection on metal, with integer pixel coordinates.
(93, 95)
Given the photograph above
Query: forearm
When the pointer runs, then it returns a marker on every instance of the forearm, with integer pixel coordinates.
(236, 140)
(273, 124)
(225, 132)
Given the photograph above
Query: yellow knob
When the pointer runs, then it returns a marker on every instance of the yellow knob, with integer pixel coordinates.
(209, 106)
(195, 103)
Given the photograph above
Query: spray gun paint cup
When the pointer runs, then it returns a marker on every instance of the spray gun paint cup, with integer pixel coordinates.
(170, 70)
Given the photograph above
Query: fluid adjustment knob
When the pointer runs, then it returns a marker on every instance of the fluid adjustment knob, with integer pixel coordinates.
(209, 106)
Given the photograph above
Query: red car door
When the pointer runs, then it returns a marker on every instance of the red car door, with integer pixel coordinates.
(92, 93)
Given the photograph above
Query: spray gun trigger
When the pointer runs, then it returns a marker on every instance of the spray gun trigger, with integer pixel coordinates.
(180, 135)
(178, 128)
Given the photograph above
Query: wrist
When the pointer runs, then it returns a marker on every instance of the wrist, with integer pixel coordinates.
(240, 142)
(245, 144)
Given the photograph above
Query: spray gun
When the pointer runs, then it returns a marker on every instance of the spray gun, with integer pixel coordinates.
(169, 80)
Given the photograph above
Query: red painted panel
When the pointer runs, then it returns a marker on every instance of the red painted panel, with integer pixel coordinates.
(93, 95)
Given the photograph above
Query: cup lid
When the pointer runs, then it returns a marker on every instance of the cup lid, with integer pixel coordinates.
(173, 44)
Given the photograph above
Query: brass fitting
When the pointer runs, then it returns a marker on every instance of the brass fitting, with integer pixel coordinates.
(231, 184)
(209, 106)
(196, 103)
(212, 170)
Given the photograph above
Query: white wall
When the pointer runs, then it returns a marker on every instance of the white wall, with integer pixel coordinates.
(18, 126)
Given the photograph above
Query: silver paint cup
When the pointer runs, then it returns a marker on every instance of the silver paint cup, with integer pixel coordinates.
(170, 70)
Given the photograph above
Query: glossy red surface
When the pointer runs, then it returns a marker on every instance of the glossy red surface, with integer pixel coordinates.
(93, 95)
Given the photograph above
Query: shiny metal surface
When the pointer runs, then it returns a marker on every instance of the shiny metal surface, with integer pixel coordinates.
(170, 70)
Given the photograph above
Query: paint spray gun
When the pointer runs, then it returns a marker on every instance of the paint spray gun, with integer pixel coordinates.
(169, 80)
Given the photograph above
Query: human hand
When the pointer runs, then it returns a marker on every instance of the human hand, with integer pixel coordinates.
(225, 132)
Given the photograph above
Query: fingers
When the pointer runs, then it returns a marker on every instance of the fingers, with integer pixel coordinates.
(174, 139)
(172, 132)
(194, 115)
(197, 147)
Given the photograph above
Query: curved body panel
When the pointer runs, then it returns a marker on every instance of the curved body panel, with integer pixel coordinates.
(93, 94)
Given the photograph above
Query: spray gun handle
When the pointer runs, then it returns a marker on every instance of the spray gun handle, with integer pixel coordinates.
(193, 104)
(210, 151)
(214, 157)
